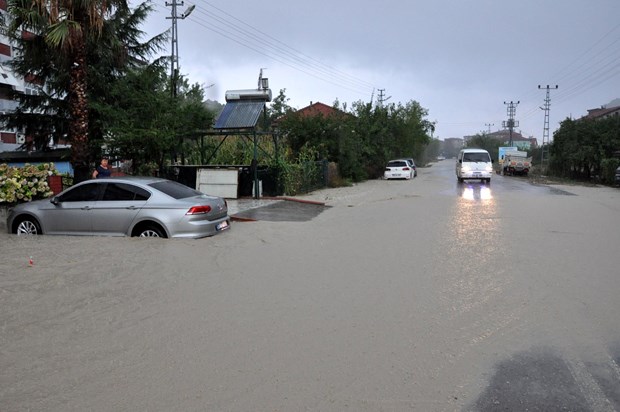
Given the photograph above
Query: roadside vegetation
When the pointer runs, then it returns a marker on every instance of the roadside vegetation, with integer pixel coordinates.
(23, 184)
(586, 150)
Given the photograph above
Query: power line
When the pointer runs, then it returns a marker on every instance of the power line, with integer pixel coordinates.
(297, 52)
(596, 65)
(254, 39)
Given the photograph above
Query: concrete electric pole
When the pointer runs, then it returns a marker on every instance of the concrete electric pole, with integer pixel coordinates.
(174, 58)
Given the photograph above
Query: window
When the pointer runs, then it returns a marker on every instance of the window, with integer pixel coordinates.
(175, 190)
(31, 89)
(84, 193)
(5, 49)
(124, 191)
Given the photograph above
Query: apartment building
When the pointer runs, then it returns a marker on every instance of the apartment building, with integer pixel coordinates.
(9, 139)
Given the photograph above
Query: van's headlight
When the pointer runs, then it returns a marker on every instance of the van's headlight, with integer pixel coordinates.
(466, 168)
(489, 169)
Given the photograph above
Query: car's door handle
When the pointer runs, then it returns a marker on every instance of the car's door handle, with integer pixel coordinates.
(86, 208)
(131, 208)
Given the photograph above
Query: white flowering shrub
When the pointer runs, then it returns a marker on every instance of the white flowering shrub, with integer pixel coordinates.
(23, 184)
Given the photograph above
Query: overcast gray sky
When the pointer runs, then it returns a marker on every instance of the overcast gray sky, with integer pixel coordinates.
(460, 59)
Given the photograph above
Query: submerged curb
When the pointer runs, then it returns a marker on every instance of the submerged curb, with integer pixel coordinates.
(236, 218)
(293, 199)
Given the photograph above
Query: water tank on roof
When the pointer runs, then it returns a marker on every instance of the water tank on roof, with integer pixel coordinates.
(263, 95)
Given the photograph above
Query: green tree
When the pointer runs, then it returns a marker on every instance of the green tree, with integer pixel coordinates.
(72, 50)
(363, 140)
(387, 132)
(279, 108)
(580, 147)
(433, 149)
(147, 125)
(484, 141)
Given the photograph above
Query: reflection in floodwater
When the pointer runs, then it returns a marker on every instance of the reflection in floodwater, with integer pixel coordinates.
(474, 192)
(472, 250)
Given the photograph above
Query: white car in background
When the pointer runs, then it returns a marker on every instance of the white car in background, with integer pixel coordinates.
(398, 169)
(412, 164)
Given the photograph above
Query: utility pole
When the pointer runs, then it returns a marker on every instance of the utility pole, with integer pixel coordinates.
(511, 123)
(545, 137)
(488, 125)
(174, 58)
(381, 97)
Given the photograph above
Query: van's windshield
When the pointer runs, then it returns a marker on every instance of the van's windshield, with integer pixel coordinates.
(476, 157)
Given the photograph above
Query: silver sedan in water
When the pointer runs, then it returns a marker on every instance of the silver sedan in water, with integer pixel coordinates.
(123, 206)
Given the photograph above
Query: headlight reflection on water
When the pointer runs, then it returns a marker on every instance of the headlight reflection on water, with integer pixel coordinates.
(477, 192)
(474, 251)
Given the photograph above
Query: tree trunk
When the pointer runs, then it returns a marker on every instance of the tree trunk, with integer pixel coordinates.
(78, 109)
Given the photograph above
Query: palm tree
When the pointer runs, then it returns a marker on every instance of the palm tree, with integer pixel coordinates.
(68, 43)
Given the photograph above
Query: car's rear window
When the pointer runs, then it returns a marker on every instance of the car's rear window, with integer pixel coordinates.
(397, 164)
(175, 189)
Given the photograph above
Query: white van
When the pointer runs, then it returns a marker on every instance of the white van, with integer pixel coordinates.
(474, 164)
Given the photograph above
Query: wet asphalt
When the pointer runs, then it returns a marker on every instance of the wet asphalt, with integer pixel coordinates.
(274, 209)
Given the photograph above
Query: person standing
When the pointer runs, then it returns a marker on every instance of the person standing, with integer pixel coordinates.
(103, 170)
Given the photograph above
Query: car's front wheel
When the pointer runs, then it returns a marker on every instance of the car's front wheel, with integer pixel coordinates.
(27, 226)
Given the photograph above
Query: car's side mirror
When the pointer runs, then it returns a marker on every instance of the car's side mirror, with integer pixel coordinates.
(54, 200)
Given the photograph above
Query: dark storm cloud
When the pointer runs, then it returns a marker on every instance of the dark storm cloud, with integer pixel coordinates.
(460, 59)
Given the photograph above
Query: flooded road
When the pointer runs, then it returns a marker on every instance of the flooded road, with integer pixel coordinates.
(421, 295)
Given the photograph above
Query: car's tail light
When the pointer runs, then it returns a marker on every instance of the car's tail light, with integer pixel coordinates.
(198, 210)
(406, 168)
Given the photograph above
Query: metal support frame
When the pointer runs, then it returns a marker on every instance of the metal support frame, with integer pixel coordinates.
(254, 135)
(545, 137)
(511, 123)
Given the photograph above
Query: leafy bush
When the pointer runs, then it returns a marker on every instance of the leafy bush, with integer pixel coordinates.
(608, 170)
(23, 184)
(304, 175)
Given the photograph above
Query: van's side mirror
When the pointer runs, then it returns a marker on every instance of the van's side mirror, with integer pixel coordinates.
(460, 160)
(54, 200)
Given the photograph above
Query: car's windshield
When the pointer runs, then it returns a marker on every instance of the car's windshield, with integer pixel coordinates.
(175, 190)
(397, 164)
(476, 157)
